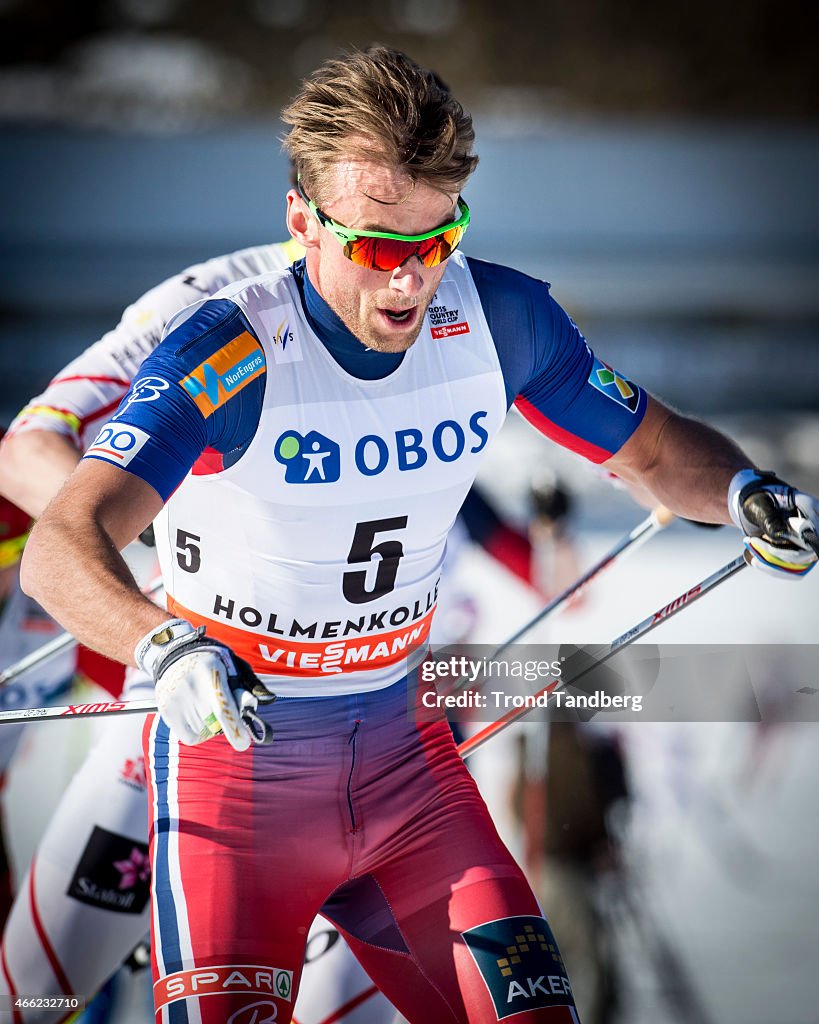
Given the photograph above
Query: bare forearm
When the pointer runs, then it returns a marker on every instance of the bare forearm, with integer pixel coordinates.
(687, 466)
(33, 467)
(72, 566)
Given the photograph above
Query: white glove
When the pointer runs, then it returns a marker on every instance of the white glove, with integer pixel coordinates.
(781, 524)
(202, 687)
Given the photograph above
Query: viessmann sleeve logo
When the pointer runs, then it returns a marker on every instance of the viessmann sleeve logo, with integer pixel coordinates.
(225, 373)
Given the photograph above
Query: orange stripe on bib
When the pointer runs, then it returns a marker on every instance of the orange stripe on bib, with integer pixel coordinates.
(281, 656)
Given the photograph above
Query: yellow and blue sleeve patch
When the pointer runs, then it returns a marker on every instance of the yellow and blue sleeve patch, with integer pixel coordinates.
(223, 374)
(206, 361)
(614, 385)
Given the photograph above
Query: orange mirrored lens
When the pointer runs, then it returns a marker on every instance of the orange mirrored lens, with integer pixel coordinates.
(388, 253)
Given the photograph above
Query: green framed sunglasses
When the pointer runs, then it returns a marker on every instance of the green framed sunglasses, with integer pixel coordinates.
(382, 250)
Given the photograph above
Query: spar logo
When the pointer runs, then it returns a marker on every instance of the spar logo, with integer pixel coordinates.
(225, 373)
(315, 458)
(246, 979)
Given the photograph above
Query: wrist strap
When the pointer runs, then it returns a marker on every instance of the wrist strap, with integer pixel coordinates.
(738, 489)
(156, 645)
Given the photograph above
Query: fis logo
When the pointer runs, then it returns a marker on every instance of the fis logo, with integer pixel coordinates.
(611, 384)
(225, 373)
(283, 335)
(276, 324)
(310, 458)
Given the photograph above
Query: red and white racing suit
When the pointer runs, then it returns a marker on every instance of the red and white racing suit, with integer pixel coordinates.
(358, 809)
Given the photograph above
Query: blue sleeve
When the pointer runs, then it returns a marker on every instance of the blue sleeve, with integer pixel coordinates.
(194, 403)
(550, 373)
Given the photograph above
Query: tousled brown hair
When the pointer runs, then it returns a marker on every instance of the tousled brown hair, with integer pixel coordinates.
(407, 116)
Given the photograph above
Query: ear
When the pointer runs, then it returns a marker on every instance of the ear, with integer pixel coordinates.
(301, 223)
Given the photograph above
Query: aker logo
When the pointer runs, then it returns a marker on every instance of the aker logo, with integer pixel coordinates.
(225, 373)
(445, 312)
(308, 458)
(114, 873)
(228, 979)
(117, 444)
(609, 383)
(519, 961)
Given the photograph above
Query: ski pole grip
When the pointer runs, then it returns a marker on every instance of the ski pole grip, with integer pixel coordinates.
(662, 516)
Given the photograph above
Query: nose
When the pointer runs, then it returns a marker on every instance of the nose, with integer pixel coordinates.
(408, 279)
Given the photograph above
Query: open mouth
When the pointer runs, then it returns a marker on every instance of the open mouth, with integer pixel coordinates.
(399, 317)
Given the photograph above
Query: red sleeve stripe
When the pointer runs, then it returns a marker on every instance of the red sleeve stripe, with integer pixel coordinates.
(48, 949)
(96, 380)
(590, 451)
(208, 463)
(15, 1013)
(98, 414)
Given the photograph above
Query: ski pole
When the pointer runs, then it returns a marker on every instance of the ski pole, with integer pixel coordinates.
(469, 746)
(602, 654)
(659, 518)
(50, 650)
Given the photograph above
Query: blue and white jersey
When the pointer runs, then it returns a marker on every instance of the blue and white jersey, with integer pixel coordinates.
(308, 507)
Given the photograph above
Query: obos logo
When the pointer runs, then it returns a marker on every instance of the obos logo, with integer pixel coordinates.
(310, 458)
(314, 458)
(117, 444)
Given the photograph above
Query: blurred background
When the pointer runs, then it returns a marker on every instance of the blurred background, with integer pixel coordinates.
(659, 165)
